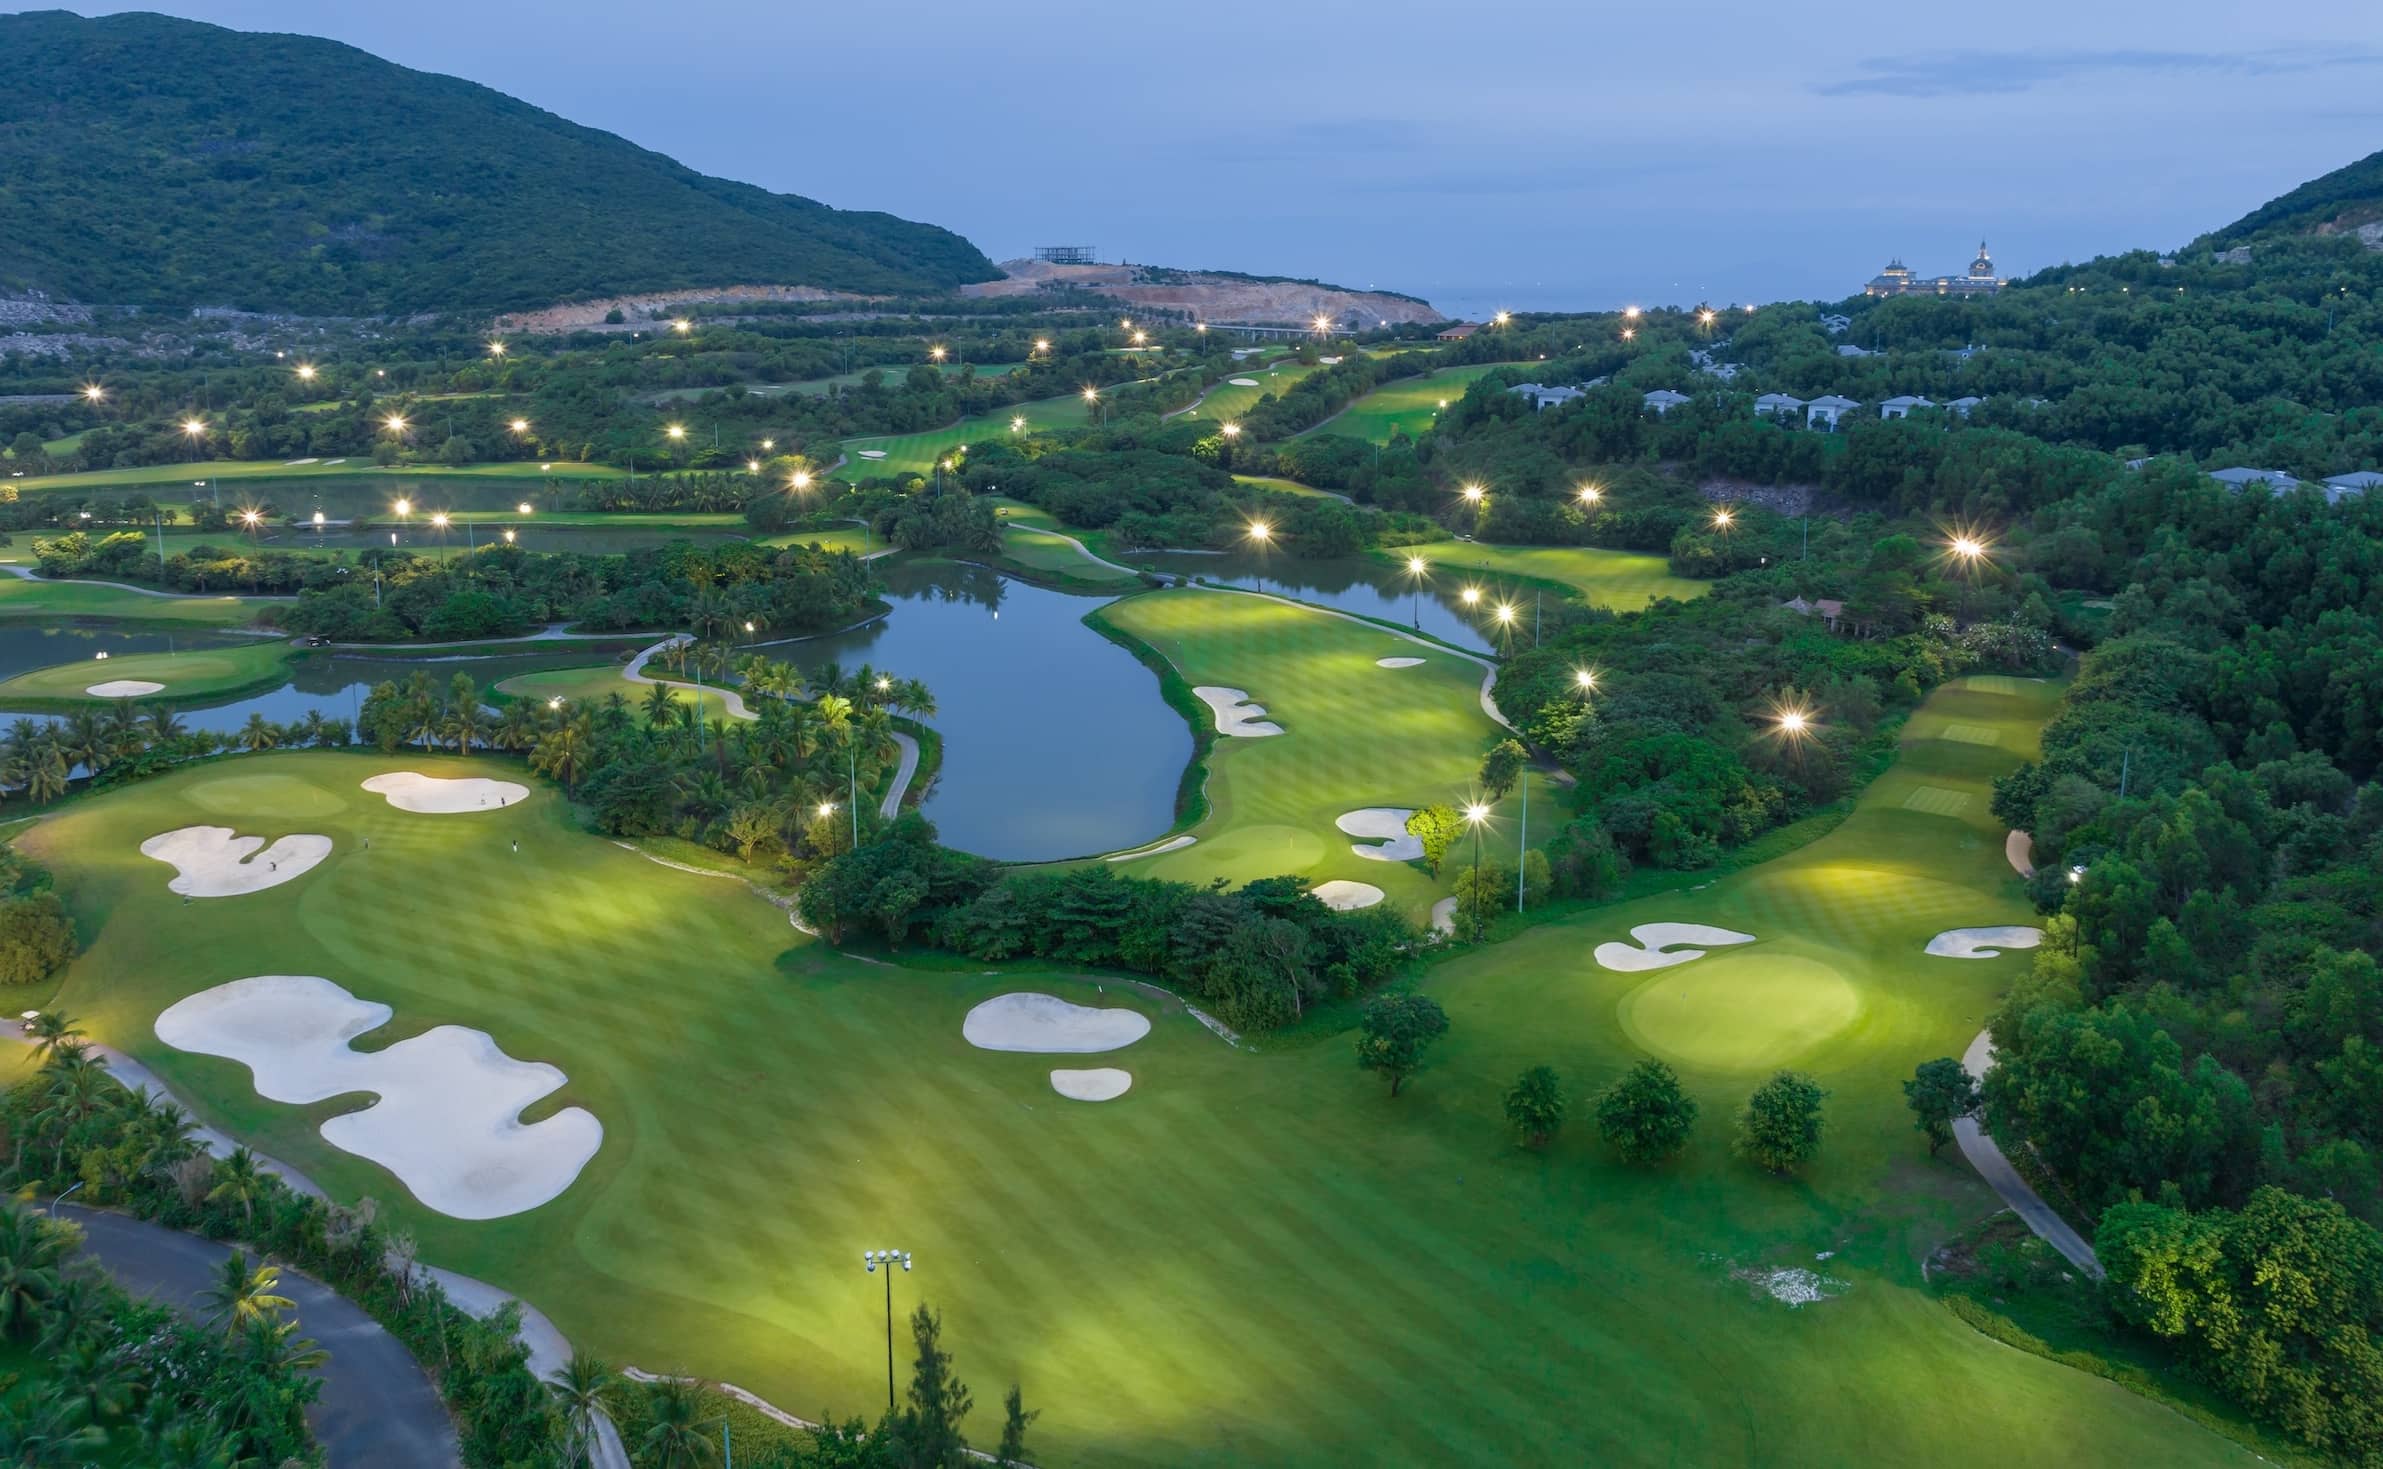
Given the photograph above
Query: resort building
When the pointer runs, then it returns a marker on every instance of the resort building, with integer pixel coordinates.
(2238, 478)
(2339, 487)
(1901, 405)
(1663, 400)
(1778, 403)
(1460, 331)
(1898, 280)
(1825, 411)
(1544, 397)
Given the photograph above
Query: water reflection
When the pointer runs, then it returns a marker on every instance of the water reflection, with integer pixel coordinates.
(1358, 584)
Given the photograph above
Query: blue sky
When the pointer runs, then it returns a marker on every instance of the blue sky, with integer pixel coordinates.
(1524, 153)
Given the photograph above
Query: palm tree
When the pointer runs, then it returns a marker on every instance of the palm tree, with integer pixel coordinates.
(95, 1378)
(38, 1429)
(277, 1347)
(84, 740)
(239, 1180)
(562, 753)
(164, 724)
(584, 1391)
(46, 779)
(469, 722)
(188, 1446)
(614, 714)
(50, 1029)
(259, 733)
(30, 1253)
(244, 1293)
(659, 705)
(309, 731)
(675, 1436)
(78, 1089)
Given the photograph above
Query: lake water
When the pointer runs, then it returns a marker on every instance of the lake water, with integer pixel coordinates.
(25, 647)
(1356, 584)
(1056, 741)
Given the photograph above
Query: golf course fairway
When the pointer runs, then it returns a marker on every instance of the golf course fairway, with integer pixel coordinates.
(1254, 1255)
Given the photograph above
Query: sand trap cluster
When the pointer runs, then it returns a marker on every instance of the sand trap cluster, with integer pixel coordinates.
(1398, 662)
(1387, 825)
(124, 688)
(1100, 1084)
(214, 862)
(1344, 896)
(448, 1119)
(1235, 714)
(1655, 938)
(430, 795)
(1983, 943)
(1047, 1023)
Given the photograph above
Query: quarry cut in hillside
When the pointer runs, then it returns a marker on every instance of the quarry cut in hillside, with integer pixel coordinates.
(1207, 295)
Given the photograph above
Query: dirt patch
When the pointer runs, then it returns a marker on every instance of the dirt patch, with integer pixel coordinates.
(1207, 297)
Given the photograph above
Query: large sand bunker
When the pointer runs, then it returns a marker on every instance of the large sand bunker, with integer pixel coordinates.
(1387, 826)
(430, 795)
(213, 862)
(1038, 1022)
(1654, 938)
(124, 688)
(1343, 896)
(1100, 1084)
(1235, 714)
(1983, 943)
(447, 1121)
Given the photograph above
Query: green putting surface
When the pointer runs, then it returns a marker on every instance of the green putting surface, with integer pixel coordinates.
(1407, 405)
(183, 677)
(1623, 580)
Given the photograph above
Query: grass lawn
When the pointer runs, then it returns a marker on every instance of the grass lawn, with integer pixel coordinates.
(858, 539)
(151, 475)
(1623, 580)
(1053, 553)
(917, 453)
(1408, 405)
(1354, 735)
(1226, 402)
(1283, 486)
(201, 673)
(592, 686)
(22, 598)
(1253, 1257)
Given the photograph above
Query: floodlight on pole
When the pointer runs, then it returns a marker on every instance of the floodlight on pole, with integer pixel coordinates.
(94, 393)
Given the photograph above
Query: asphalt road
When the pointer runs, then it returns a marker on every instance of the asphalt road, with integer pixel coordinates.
(377, 1407)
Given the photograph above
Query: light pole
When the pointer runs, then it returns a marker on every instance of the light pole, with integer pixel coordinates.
(870, 1260)
(54, 1203)
(1475, 815)
(1418, 568)
(1522, 843)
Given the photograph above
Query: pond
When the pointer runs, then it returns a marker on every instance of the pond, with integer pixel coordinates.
(1356, 584)
(1057, 742)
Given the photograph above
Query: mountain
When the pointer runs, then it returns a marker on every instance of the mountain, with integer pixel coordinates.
(2348, 200)
(154, 161)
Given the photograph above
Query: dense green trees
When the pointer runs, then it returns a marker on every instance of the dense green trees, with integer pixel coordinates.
(1395, 1032)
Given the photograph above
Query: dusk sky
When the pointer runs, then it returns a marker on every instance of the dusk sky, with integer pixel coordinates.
(1527, 153)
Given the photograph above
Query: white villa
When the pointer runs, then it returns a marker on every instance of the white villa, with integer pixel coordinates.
(1963, 405)
(1834, 324)
(2339, 487)
(1901, 406)
(1778, 403)
(2238, 478)
(1825, 411)
(1663, 400)
(1850, 350)
(1544, 397)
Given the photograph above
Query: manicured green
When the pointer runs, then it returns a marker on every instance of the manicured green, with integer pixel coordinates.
(1622, 580)
(1224, 402)
(1255, 1256)
(593, 686)
(1355, 735)
(1409, 405)
(1057, 554)
(151, 476)
(25, 598)
(858, 539)
(1283, 486)
(917, 453)
(199, 673)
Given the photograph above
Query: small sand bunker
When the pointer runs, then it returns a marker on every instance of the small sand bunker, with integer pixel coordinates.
(1344, 895)
(2019, 849)
(448, 1119)
(871, 453)
(1983, 943)
(1398, 663)
(1387, 825)
(215, 862)
(1100, 1084)
(1175, 844)
(1243, 382)
(429, 794)
(1443, 916)
(1047, 1023)
(124, 688)
(1235, 714)
(1655, 938)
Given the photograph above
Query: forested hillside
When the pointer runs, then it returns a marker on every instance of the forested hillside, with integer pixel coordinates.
(2346, 198)
(152, 161)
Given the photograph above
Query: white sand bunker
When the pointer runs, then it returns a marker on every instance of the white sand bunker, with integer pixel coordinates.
(1654, 938)
(124, 688)
(1100, 1084)
(213, 862)
(871, 453)
(408, 791)
(1398, 663)
(1037, 1022)
(1983, 943)
(1443, 916)
(1243, 382)
(1344, 895)
(1387, 825)
(1235, 714)
(447, 1121)
(1175, 844)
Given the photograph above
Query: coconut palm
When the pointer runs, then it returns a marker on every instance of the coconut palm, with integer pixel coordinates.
(659, 705)
(30, 1254)
(585, 1391)
(94, 1378)
(83, 740)
(259, 733)
(676, 1436)
(164, 724)
(39, 1429)
(46, 776)
(244, 1293)
(50, 1029)
(562, 753)
(469, 723)
(239, 1180)
(76, 1089)
(276, 1346)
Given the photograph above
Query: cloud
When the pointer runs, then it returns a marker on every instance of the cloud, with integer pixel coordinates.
(1985, 73)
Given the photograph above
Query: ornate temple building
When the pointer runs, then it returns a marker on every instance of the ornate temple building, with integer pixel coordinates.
(1897, 280)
